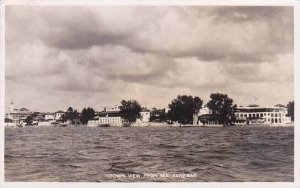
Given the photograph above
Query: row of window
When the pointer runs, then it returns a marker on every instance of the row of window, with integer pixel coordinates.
(109, 120)
(274, 120)
(259, 115)
(269, 120)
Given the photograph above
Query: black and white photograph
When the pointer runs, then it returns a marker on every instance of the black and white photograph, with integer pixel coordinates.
(149, 93)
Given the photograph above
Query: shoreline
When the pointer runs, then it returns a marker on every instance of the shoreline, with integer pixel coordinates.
(151, 124)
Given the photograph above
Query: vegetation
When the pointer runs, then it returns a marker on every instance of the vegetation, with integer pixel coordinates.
(290, 108)
(130, 111)
(158, 115)
(71, 115)
(86, 115)
(29, 120)
(183, 108)
(223, 106)
(279, 105)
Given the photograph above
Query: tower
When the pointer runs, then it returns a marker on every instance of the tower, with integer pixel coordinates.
(11, 106)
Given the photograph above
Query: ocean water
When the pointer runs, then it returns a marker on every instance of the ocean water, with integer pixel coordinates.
(139, 154)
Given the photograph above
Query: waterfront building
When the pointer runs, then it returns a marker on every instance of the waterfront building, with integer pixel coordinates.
(44, 123)
(16, 116)
(205, 117)
(108, 117)
(145, 116)
(262, 115)
(254, 115)
(58, 114)
(111, 117)
(49, 116)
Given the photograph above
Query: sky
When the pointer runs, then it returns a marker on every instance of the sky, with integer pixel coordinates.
(96, 56)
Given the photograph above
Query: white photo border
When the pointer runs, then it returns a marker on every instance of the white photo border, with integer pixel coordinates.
(294, 3)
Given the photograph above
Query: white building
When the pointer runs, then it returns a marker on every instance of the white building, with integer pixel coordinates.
(111, 117)
(49, 116)
(116, 108)
(249, 115)
(262, 115)
(145, 116)
(44, 123)
(205, 117)
(16, 116)
(58, 114)
(105, 121)
(204, 110)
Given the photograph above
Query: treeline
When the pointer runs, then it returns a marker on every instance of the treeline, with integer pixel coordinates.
(184, 109)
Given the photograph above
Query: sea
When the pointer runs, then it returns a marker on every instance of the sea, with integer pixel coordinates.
(149, 154)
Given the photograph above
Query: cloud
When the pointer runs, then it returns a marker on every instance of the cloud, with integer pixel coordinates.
(92, 55)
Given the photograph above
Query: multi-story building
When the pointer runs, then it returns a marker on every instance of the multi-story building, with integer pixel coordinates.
(262, 115)
(16, 116)
(111, 117)
(249, 115)
(205, 117)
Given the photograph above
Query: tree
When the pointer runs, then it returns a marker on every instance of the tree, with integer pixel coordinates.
(29, 120)
(290, 108)
(222, 106)
(253, 105)
(183, 108)
(86, 115)
(130, 111)
(71, 115)
(64, 117)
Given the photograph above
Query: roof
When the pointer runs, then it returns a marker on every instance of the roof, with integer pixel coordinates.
(209, 116)
(24, 109)
(109, 115)
(60, 111)
(259, 107)
(145, 110)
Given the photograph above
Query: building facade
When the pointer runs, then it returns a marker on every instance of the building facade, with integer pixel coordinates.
(58, 114)
(249, 115)
(111, 117)
(145, 116)
(262, 115)
(16, 116)
(49, 116)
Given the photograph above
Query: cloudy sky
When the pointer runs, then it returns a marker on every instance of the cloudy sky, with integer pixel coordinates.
(78, 56)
